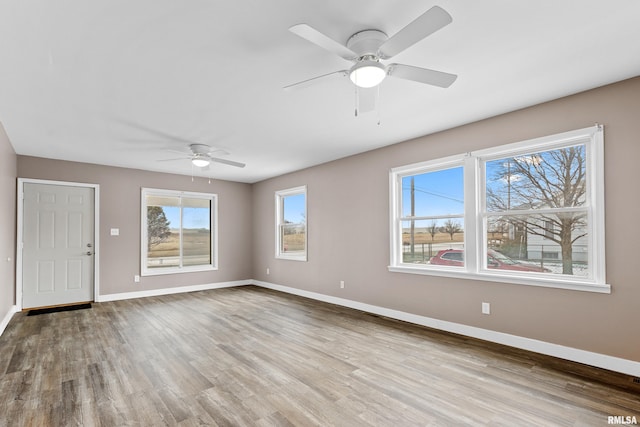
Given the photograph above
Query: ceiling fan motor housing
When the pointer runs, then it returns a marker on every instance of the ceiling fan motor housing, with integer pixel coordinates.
(200, 149)
(366, 43)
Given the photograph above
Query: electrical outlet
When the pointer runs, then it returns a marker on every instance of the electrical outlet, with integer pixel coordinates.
(136, 278)
(268, 271)
(341, 284)
(486, 308)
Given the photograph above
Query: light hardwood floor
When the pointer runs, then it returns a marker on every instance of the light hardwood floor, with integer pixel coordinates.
(254, 357)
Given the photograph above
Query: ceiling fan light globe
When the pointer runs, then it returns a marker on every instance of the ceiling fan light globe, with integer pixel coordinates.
(367, 74)
(200, 162)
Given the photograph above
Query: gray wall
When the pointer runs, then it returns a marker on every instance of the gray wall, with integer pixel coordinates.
(348, 220)
(348, 216)
(120, 208)
(7, 223)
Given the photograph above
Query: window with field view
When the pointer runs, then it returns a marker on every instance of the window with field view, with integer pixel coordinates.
(291, 224)
(178, 232)
(530, 212)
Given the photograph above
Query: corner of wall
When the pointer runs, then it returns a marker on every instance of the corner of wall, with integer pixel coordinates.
(8, 204)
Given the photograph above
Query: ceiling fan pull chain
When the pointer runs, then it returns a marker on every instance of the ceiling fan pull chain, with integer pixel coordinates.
(356, 99)
(378, 103)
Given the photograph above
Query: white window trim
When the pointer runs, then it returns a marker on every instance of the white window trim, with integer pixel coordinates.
(475, 237)
(395, 189)
(279, 198)
(144, 270)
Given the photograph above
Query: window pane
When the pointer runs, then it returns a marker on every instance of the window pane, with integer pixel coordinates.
(548, 179)
(163, 232)
(196, 231)
(292, 238)
(555, 243)
(423, 240)
(291, 223)
(433, 193)
(293, 209)
(155, 200)
(196, 202)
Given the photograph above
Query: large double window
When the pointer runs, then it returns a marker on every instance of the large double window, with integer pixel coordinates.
(530, 213)
(178, 231)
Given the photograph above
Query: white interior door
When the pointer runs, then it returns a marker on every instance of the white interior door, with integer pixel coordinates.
(58, 245)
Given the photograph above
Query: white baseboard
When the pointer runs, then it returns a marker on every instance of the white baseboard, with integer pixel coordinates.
(604, 361)
(7, 318)
(174, 290)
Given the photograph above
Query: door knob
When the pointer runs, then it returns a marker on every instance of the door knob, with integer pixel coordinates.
(89, 253)
(89, 245)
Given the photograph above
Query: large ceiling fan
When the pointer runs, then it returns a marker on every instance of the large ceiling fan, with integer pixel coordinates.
(366, 49)
(201, 155)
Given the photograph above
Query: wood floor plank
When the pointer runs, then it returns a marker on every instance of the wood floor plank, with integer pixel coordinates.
(253, 357)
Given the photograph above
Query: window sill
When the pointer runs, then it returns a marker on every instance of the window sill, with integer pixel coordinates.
(555, 282)
(177, 270)
(292, 257)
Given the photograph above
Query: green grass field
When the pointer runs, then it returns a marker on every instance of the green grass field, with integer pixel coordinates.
(194, 242)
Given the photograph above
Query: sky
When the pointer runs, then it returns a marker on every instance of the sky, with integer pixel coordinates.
(191, 217)
(294, 211)
(294, 208)
(436, 193)
(441, 192)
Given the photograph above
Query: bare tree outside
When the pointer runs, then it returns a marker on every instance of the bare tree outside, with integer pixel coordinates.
(451, 227)
(433, 229)
(539, 184)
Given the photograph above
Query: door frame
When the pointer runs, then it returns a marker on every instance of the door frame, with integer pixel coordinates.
(20, 224)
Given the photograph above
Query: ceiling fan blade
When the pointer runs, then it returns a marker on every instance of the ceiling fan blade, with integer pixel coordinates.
(227, 162)
(183, 152)
(172, 160)
(426, 24)
(154, 131)
(367, 99)
(218, 152)
(421, 75)
(309, 33)
(309, 82)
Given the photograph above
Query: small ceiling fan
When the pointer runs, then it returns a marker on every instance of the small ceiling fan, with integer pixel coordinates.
(367, 48)
(202, 155)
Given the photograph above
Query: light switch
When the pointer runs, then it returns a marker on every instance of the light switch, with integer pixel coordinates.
(115, 231)
(486, 308)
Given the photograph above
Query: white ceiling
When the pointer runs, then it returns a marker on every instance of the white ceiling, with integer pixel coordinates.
(119, 82)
